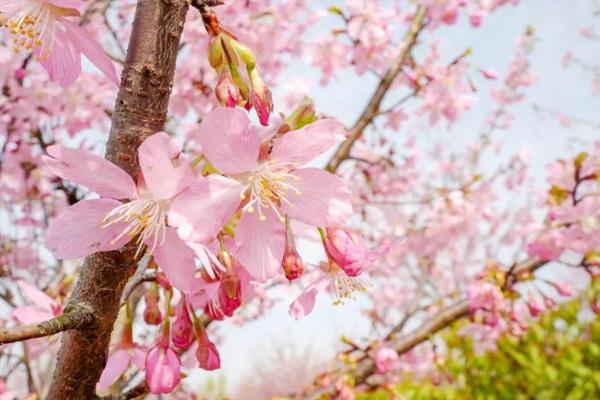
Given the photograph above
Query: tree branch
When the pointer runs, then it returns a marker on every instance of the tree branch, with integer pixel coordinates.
(444, 318)
(372, 108)
(75, 319)
(140, 111)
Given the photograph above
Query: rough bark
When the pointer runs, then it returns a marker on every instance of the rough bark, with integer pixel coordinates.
(140, 111)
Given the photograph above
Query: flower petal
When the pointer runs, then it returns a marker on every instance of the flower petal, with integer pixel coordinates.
(90, 170)
(323, 199)
(116, 364)
(306, 144)
(229, 141)
(38, 297)
(77, 231)
(304, 304)
(176, 260)
(63, 62)
(201, 210)
(260, 245)
(162, 177)
(86, 44)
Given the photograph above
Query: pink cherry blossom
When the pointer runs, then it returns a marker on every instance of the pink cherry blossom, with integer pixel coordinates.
(107, 223)
(334, 279)
(46, 27)
(266, 189)
(386, 359)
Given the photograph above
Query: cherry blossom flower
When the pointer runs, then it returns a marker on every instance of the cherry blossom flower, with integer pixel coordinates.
(45, 27)
(266, 188)
(334, 279)
(386, 359)
(107, 223)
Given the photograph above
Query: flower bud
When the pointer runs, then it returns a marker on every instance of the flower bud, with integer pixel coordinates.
(230, 292)
(226, 91)
(386, 360)
(262, 100)
(535, 308)
(207, 353)
(183, 329)
(564, 289)
(215, 52)
(292, 264)
(163, 369)
(303, 115)
(152, 315)
(347, 250)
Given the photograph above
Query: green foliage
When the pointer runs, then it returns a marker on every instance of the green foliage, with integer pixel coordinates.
(559, 358)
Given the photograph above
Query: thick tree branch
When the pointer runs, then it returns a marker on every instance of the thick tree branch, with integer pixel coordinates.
(140, 111)
(77, 318)
(444, 318)
(372, 108)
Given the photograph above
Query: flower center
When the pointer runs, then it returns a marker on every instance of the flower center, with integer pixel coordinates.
(345, 286)
(143, 218)
(28, 26)
(269, 188)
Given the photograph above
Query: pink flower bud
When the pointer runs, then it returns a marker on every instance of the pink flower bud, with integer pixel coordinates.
(491, 74)
(20, 74)
(596, 307)
(347, 250)
(207, 353)
(477, 18)
(162, 369)
(152, 315)
(303, 115)
(262, 100)
(230, 293)
(182, 333)
(292, 264)
(386, 360)
(564, 289)
(535, 308)
(226, 91)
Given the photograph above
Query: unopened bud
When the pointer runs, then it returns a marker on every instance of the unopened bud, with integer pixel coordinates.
(262, 100)
(292, 264)
(152, 315)
(347, 250)
(226, 91)
(303, 115)
(182, 333)
(207, 353)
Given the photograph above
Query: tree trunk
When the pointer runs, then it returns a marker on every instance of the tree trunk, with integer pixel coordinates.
(140, 111)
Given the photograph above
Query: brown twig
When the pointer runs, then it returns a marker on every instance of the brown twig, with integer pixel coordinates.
(372, 108)
(77, 318)
(442, 319)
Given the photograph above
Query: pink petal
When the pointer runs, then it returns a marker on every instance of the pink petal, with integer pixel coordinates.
(64, 61)
(163, 178)
(176, 260)
(90, 170)
(306, 144)
(116, 364)
(28, 315)
(201, 210)
(86, 44)
(305, 303)
(38, 297)
(77, 230)
(260, 244)
(323, 199)
(229, 141)
(66, 3)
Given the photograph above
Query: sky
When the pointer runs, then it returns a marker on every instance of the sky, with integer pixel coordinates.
(556, 23)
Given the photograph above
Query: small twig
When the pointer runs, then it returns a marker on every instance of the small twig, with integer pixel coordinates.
(132, 393)
(77, 318)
